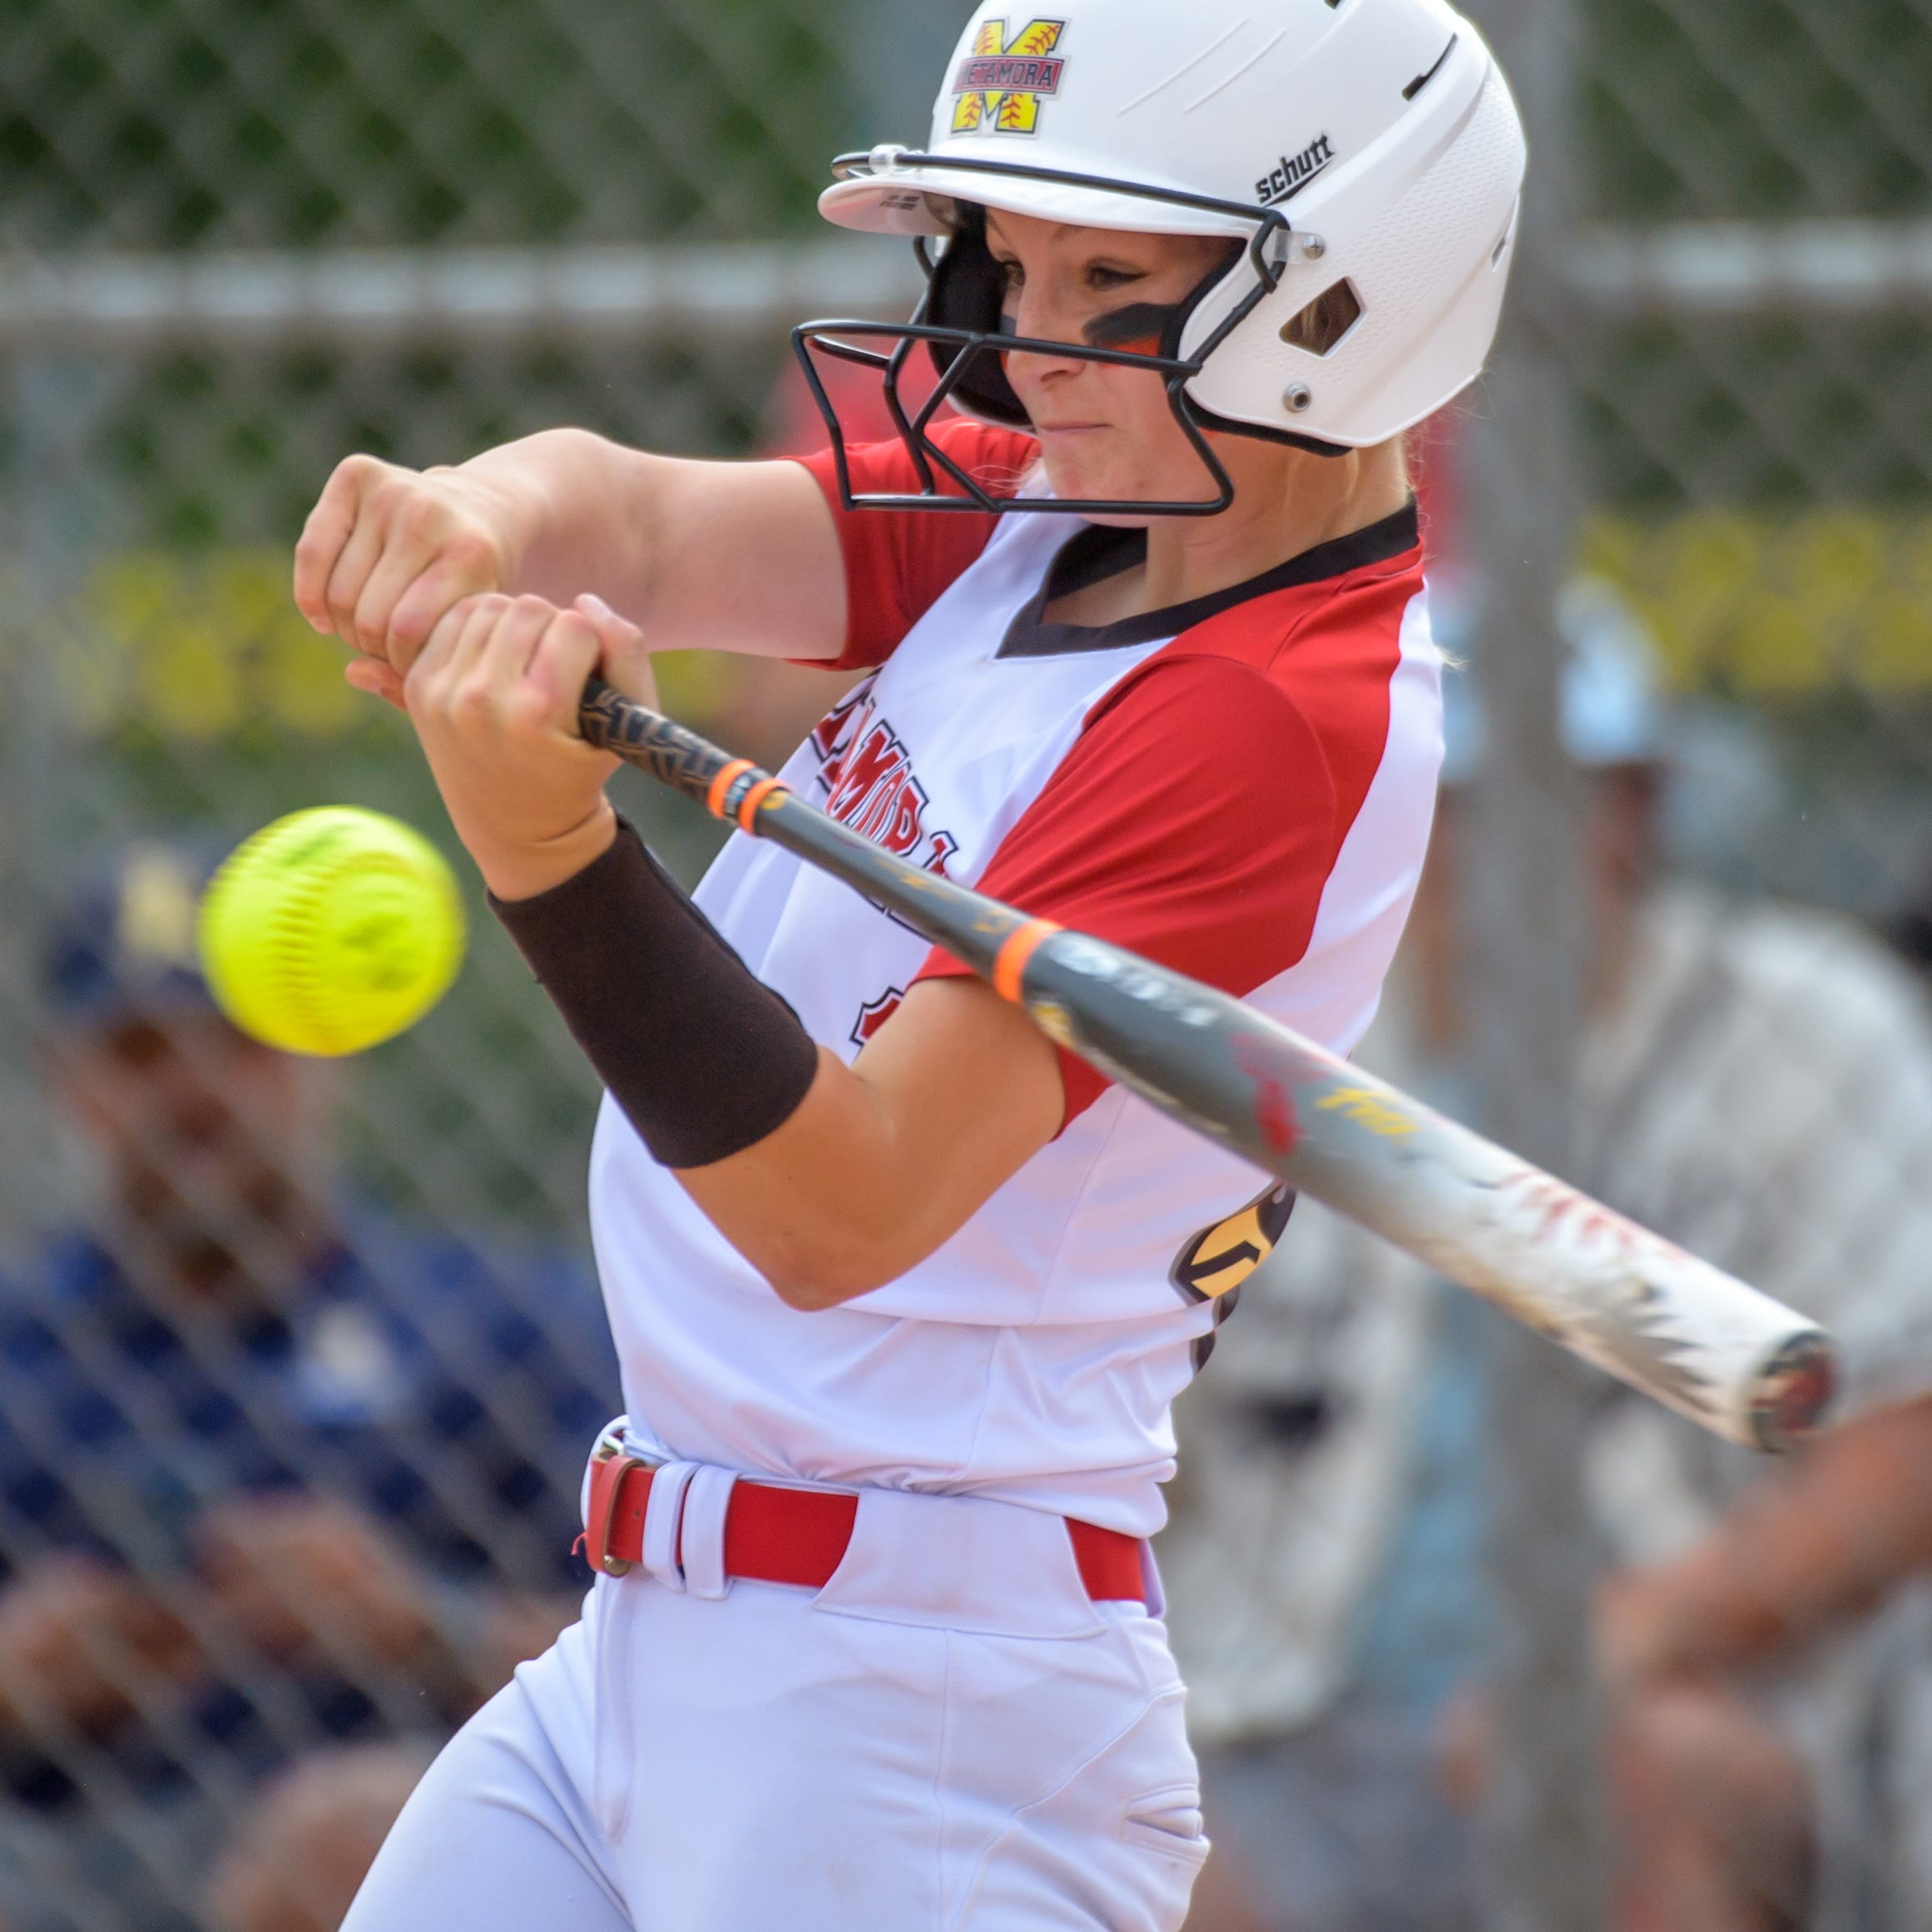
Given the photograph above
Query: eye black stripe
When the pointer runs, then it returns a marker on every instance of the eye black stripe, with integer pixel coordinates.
(1133, 322)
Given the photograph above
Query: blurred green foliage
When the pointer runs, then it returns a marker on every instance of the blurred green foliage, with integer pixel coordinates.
(1704, 109)
(1778, 412)
(1758, 110)
(277, 123)
(213, 451)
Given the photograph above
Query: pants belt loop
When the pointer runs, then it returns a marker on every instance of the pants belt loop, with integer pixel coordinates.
(662, 1514)
(702, 1533)
(610, 1442)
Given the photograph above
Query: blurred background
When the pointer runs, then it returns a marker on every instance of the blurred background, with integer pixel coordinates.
(298, 1363)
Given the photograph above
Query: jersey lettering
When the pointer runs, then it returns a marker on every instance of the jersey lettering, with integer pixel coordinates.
(867, 777)
(833, 730)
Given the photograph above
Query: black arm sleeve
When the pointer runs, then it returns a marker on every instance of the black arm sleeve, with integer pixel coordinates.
(703, 1058)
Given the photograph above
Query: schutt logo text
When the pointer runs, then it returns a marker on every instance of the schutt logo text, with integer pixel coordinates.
(1294, 172)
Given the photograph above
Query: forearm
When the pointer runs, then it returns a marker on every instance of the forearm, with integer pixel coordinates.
(1852, 1522)
(869, 1176)
(698, 555)
(576, 501)
(720, 555)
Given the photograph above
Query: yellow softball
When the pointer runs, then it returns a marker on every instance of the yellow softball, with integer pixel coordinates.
(330, 930)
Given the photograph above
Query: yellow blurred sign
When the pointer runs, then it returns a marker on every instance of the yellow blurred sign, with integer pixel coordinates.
(1779, 607)
(198, 648)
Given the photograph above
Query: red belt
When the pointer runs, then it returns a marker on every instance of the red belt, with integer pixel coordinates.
(776, 1535)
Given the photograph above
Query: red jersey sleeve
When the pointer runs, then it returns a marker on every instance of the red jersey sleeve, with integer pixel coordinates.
(1195, 821)
(898, 562)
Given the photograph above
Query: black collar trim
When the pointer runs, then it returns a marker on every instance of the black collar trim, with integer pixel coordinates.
(1096, 552)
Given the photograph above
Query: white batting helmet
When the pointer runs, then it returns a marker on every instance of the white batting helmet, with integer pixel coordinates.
(1366, 152)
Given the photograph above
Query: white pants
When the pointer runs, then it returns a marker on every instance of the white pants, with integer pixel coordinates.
(950, 1734)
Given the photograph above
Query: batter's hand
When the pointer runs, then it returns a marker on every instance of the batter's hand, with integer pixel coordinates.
(386, 552)
(494, 696)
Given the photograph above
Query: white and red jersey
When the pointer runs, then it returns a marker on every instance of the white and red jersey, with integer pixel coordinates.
(1241, 788)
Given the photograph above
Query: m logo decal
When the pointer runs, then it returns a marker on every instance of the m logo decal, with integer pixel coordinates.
(1000, 83)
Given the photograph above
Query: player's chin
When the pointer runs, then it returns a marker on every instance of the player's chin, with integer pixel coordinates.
(1082, 467)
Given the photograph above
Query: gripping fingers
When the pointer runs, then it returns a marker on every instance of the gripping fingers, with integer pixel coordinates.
(452, 647)
(490, 658)
(519, 634)
(386, 552)
(493, 698)
(353, 564)
(325, 536)
(569, 651)
(464, 566)
(369, 674)
(623, 658)
(482, 664)
(399, 568)
(435, 555)
(534, 672)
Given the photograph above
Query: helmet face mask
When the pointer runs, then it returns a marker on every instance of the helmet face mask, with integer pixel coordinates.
(961, 326)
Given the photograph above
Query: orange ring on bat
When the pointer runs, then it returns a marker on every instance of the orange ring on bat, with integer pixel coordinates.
(714, 797)
(748, 807)
(1009, 963)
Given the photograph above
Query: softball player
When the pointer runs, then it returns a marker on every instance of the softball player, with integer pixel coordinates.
(901, 1293)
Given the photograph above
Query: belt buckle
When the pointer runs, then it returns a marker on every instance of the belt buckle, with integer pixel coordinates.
(610, 1462)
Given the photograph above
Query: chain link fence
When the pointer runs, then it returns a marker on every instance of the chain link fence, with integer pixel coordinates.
(300, 1363)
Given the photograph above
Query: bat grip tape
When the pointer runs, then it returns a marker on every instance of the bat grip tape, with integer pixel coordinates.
(704, 1058)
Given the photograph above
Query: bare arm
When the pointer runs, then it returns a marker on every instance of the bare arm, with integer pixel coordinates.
(1852, 1522)
(713, 556)
(890, 1156)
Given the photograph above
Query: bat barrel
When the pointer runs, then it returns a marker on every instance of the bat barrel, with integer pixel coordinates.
(1684, 1332)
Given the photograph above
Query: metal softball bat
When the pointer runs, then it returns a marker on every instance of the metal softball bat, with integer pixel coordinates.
(1637, 1307)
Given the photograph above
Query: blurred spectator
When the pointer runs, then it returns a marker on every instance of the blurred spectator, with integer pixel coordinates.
(271, 1472)
(1755, 1082)
(304, 1845)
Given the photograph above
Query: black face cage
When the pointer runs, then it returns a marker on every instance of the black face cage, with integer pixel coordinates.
(958, 321)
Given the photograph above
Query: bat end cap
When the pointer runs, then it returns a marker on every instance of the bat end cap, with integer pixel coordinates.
(1793, 1391)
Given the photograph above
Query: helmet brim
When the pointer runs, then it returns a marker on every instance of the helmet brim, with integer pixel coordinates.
(914, 201)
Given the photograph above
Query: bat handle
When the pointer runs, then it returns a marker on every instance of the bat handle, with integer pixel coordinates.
(671, 754)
